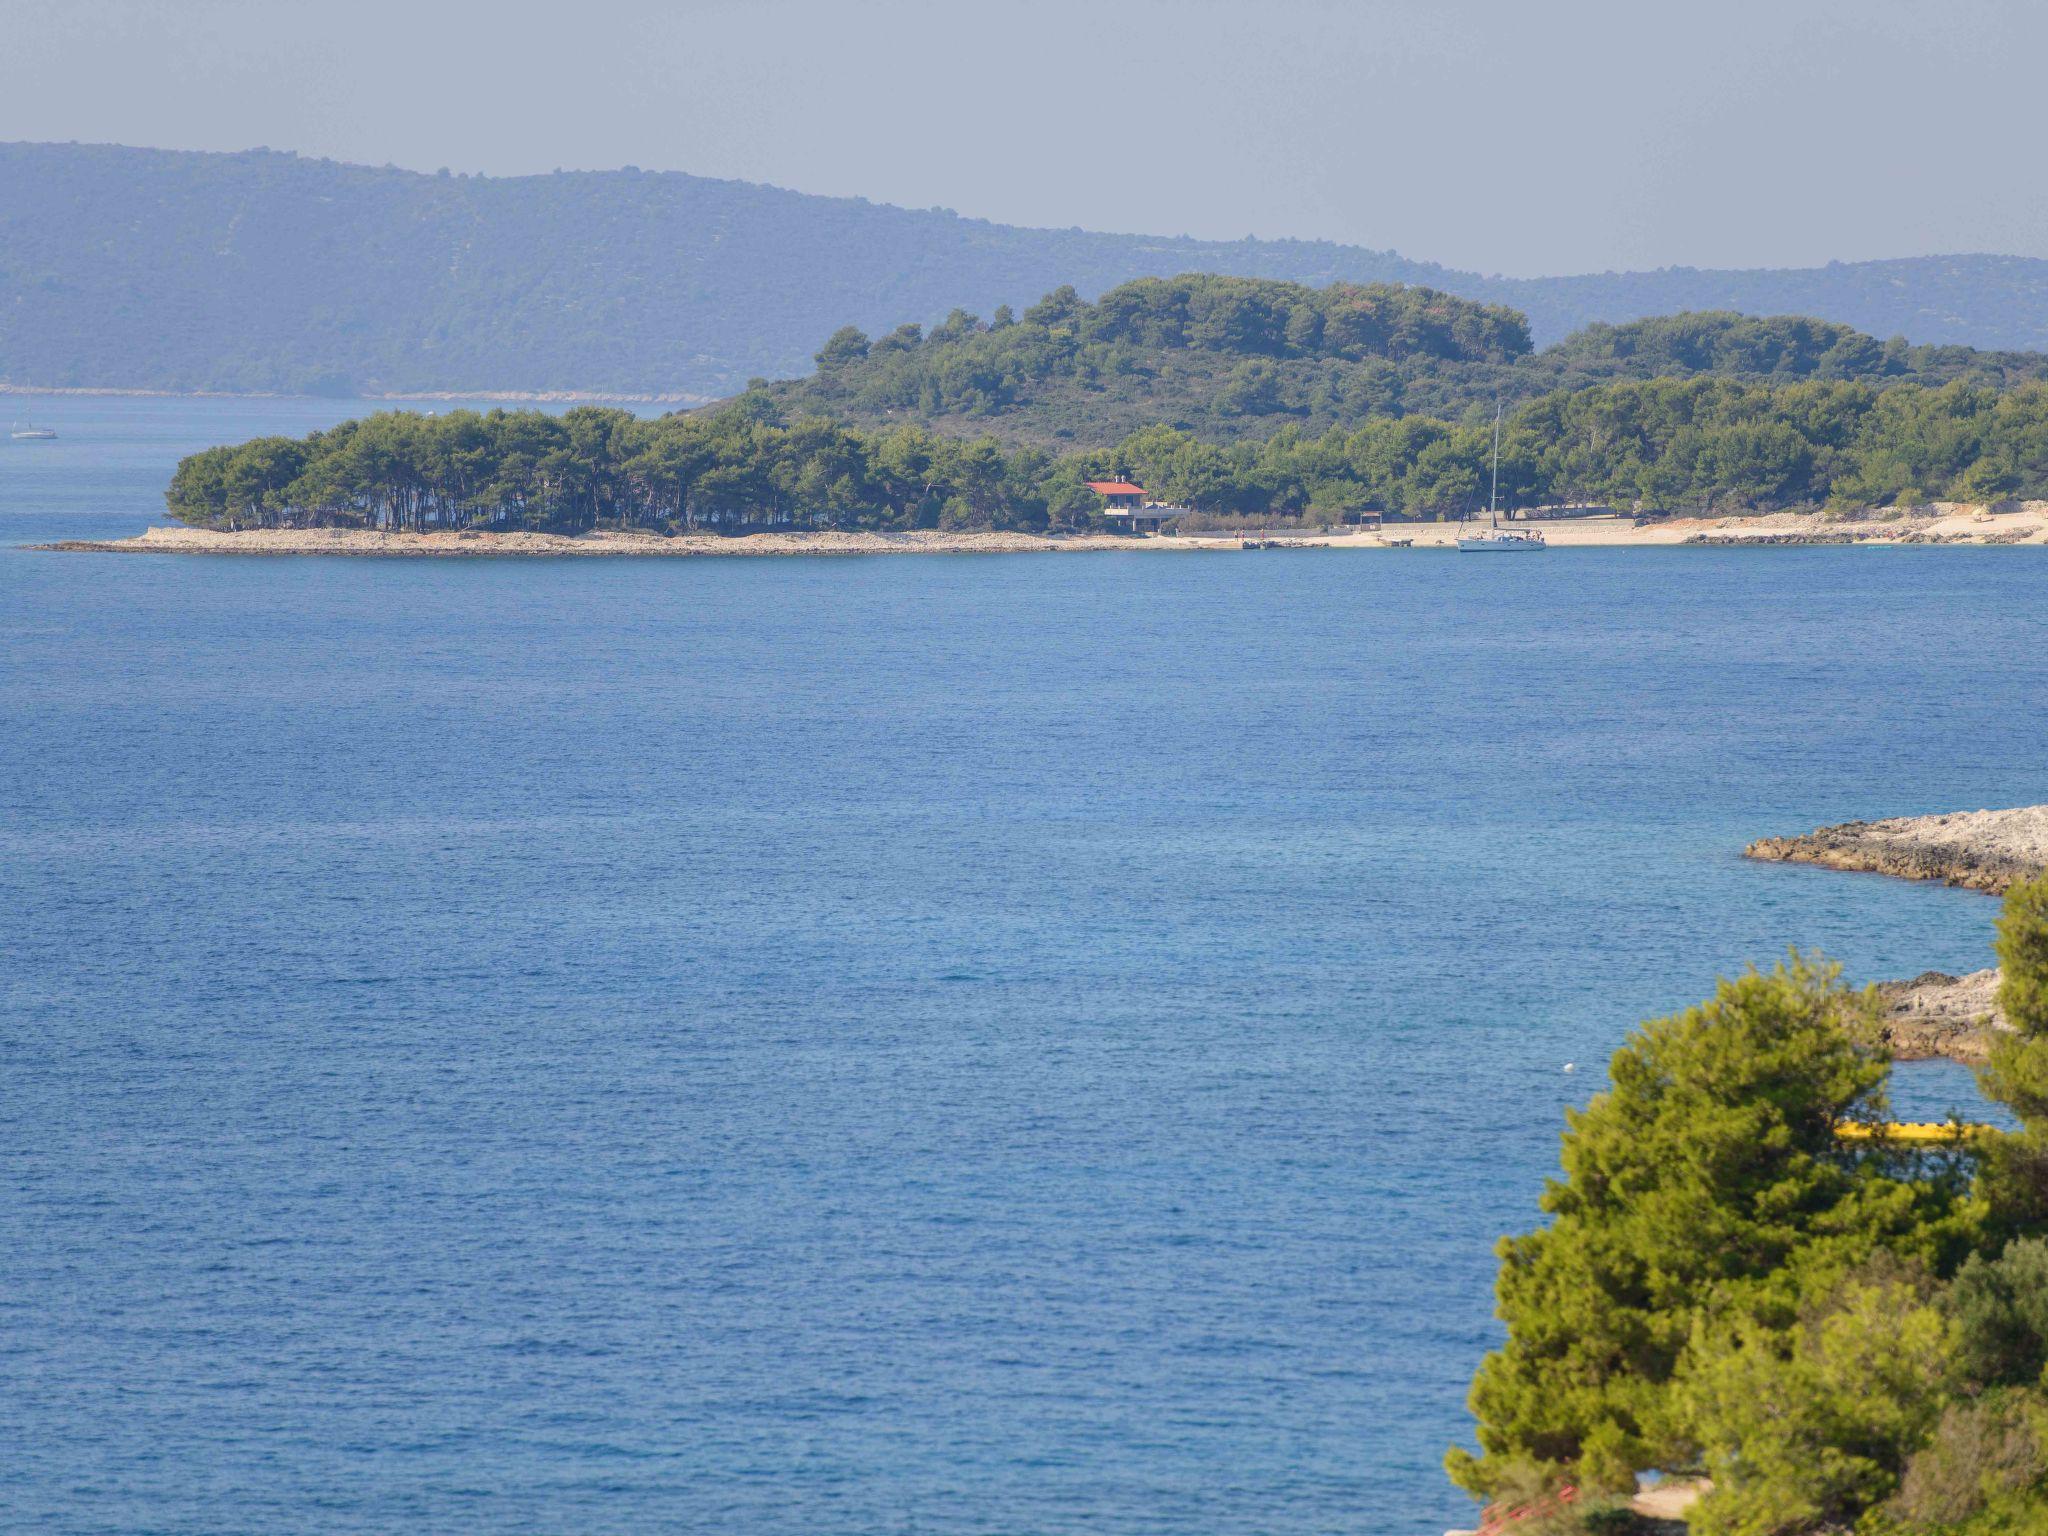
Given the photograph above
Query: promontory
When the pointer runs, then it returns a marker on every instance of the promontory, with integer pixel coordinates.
(1984, 850)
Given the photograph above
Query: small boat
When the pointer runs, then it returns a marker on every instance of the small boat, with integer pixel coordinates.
(1499, 539)
(1496, 539)
(29, 431)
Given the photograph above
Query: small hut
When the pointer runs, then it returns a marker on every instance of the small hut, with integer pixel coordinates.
(1123, 502)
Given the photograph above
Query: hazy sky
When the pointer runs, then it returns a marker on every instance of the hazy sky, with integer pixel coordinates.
(1532, 137)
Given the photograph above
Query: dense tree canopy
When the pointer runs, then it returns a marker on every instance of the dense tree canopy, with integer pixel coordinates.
(1694, 445)
(1840, 1333)
(1709, 1172)
(1778, 348)
(1231, 359)
(594, 467)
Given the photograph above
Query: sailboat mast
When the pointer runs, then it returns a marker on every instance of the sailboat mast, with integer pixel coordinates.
(1493, 493)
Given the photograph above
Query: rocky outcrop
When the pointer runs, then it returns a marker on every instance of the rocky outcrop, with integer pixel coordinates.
(1936, 1014)
(1984, 850)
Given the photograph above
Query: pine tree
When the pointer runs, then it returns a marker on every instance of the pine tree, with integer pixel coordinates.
(1709, 1173)
(2016, 1166)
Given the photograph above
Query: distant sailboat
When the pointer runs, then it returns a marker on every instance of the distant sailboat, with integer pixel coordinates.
(1496, 539)
(29, 430)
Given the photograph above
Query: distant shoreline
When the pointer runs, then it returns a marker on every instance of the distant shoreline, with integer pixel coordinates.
(371, 543)
(480, 396)
(1932, 526)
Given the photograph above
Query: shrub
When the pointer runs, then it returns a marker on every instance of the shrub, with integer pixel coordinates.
(1981, 1455)
(1816, 1425)
(2000, 1312)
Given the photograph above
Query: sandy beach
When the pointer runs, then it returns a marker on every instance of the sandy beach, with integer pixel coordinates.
(1942, 524)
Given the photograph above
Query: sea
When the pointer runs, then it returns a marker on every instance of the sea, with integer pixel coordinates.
(954, 1044)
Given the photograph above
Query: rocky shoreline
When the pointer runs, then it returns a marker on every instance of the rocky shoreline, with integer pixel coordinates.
(1983, 850)
(1934, 1014)
(1939, 1015)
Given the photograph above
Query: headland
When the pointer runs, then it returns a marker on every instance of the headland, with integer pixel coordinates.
(1984, 850)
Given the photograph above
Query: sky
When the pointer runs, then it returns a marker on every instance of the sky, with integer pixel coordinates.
(1527, 138)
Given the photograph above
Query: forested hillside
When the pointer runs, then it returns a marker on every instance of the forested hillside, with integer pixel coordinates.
(157, 269)
(1232, 358)
(1698, 445)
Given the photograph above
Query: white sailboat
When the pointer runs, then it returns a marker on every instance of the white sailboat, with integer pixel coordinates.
(26, 431)
(1496, 539)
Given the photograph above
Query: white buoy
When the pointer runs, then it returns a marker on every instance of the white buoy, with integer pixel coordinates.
(1571, 1066)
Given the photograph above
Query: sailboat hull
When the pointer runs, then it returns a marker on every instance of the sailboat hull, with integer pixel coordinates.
(1503, 543)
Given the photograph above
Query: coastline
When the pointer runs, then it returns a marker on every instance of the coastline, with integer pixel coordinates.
(479, 545)
(1982, 850)
(1934, 1014)
(1939, 1016)
(479, 396)
(1938, 525)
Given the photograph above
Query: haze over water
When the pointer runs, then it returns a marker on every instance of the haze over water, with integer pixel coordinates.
(1029, 1043)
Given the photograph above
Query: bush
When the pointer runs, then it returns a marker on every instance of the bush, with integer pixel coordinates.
(2000, 1313)
(1981, 1455)
(1816, 1425)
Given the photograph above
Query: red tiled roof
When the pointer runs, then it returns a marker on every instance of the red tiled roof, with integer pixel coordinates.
(1115, 488)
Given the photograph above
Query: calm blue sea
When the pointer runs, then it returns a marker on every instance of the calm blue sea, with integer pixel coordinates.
(1001, 1044)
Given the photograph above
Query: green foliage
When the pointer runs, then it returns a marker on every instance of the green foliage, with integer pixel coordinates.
(737, 469)
(1700, 443)
(1815, 1424)
(2016, 1165)
(843, 348)
(1777, 347)
(2022, 947)
(1982, 1472)
(1233, 358)
(1706, 1181)
(1838, 1334)
(1999, 1308)
(1294, 388)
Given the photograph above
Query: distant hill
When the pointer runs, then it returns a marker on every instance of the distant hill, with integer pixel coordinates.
(1235, 358)
(159, 269)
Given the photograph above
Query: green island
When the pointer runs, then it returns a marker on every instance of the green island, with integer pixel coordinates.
(1827, 1332)
(1233, 358)
(1748, 1286)
(1230, 398)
